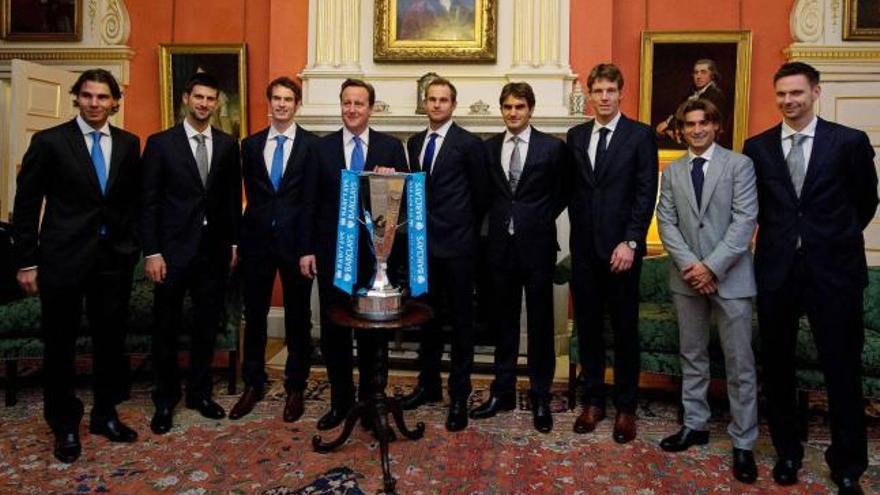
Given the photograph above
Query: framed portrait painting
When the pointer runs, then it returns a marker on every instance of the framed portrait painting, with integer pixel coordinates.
(42, 20)
(861, 20)
(435, 30)
(677, 66)
(228, 63)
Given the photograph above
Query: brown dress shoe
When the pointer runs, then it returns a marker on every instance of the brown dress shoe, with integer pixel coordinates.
(624, 427)
(293, 407)
(246, 402)
(590, 416)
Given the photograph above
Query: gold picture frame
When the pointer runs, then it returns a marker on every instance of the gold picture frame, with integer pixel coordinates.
(668, 59)
(861, 20)
(424, 30)
(227, 62)
(41, 20)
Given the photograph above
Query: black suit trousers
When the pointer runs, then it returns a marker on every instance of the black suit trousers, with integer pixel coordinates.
(836, 320)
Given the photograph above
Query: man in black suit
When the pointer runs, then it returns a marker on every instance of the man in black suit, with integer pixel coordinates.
(88, 173)
(189, 225)
(455, 163)
(527, 170)
(817, 191)
(354, 147)
(615, 188)
(273, 168)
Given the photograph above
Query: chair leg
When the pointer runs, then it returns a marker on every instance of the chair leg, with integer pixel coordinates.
(233, 372)
(11, 382)
(803, 414)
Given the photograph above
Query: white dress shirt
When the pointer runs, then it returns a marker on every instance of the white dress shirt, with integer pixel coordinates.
(594, 138)
(438, 142)
(707, 155)
(106, 139)
(271, 144)
(806, 144)
(193, 144)
(348, 145)
(507, 149)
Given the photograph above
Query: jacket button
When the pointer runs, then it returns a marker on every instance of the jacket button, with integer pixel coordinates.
(701, 225)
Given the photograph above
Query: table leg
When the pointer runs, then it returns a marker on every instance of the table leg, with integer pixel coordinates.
(352, 417)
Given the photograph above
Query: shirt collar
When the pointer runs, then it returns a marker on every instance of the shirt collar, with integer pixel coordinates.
(611, 125)
(702, 90)
(86, 129)
(707, 155)
(441, 132)
(523, 136)
(809, 130)
(191, 131)
(289, 133)
(348, 136)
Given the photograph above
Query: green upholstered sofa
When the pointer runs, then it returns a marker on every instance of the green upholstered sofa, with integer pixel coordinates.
(20, 330)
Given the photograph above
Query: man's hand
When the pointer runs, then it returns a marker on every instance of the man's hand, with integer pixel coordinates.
(698, 276)
(622, 258)
(27, 280)
(708, 288)
(384, 170)
(308, 267)
(154, 268)
(233, 261)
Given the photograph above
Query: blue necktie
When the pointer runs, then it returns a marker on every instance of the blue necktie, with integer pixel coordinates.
(357, 156)
(697, 178)
(277, 161)
(98, 161)
(428, 160)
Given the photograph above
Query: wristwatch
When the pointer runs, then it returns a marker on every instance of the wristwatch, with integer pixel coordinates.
(632, 245)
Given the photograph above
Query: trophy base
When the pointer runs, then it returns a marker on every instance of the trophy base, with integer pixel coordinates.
(378, 306)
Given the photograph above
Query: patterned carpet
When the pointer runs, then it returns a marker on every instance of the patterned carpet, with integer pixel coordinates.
(504, 455)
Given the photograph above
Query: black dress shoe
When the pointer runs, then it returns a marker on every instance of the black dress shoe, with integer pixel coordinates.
(420, 395)
(457, 419)
(114, 429)
(744, 467)
(334, 417)
(161, 423)
(67, 447)
(247, 402)
(492, 406)
(684, 439)
(541, 415)
(848, 485)
(207, 408)
(785, 472)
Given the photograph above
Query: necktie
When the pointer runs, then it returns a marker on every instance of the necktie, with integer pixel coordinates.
(601, 147)
(515, 169)
(697, 178)
(202, 157)
(796, 163)
(98, 160)
(277, 161)
(428, 160)
(357, 156)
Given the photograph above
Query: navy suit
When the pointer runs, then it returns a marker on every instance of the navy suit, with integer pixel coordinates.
(824, 277)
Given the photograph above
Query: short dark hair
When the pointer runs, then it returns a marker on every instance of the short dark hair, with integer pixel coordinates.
(710, 111)
(359, 83)
(201, 79)
(713, 68)
(102, 76)
(797, 68)
(284, 82)
(441, 81)
(605, 71)
(519, 89)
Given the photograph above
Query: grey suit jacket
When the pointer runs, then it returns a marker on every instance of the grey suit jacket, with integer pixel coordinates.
(720, 232)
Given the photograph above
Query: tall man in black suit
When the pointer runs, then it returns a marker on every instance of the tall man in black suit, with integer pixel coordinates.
(615, 188)
(527, 170)
(273, 168)
(189, 226)
(455, 163)
(359, 148)
(88, 173)
(817, 191)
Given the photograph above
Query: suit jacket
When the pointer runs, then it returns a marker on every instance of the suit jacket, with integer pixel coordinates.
(838, 200)
(538, 200)
(719, 233)
(57, 167)
(615, 203)
(179, 212)
(456, 191)
(274, 221)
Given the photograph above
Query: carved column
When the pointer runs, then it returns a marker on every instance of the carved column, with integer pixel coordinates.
(337, 34)
(537, 29)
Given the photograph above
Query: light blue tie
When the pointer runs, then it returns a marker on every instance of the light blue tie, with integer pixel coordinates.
(277, 161)
(357, 156)
(98, 161)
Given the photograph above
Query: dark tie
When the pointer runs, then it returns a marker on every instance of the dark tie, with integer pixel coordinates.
(277, 161)
(601, 147)
(697, 178)
(356, 164)
(428, 160)
(98, 160)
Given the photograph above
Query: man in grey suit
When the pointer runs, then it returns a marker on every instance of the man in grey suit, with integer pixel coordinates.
(707, 213)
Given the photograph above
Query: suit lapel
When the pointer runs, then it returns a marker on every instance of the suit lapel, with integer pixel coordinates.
(81, 152)
(496, 170)
(583, 151)
(444, 150)
(414, 147)
(713, 174)
(778, 159)
(822, 142)
(536, 144)
(183, 149)
(219, 149)
(262, 173)
(680, 170)
(116, 154)
(619, 138)
(294, 161)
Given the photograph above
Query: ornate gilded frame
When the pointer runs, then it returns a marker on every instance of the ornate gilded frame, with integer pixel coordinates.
(6, 15)
(851, 29)
(171, 85)
(388, 48)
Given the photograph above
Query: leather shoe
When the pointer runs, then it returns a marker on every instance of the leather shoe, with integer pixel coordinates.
(112, 428)
(848, 485)
(161, 423)
(785, 472)
(589, 418)
(334, 417)
(207, 408)
(624, 427)
(495, 404)
(67, 447)
(542, 418)
(744, 467)
(457, 419)
(293, 407)
(684, 439)
(246, 402)
(420, 395)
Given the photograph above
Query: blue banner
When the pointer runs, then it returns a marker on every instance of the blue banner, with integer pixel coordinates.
(345, 269)
(417, 233)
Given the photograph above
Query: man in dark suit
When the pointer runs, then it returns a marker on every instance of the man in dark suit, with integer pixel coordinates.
(615, 188)
(527, 170)
(273, 168)
(817, 191)
(455, 163)
(354, 147)
(189, 226)
(88, 173)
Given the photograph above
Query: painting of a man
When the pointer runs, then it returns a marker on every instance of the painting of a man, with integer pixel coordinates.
(435, 20)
